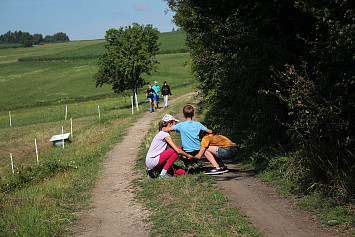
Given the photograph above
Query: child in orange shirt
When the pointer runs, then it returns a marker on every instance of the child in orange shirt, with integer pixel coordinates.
(216, 147)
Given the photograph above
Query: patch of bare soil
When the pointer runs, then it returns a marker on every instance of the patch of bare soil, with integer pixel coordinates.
(271, 213)
(115, 212)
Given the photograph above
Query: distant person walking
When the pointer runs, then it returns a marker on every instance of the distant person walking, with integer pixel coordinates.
(165, 91)
(150, 96)
(156, 88)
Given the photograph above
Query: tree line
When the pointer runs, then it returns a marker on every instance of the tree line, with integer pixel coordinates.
(27, 40)
(278, 77)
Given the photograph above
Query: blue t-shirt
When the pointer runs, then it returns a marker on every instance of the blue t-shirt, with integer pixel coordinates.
(189, 131)
(156, 89)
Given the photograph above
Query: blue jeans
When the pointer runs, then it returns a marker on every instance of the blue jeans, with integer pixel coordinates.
(226, 153)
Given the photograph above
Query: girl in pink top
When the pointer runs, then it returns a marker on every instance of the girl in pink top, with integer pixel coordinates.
(159, 159)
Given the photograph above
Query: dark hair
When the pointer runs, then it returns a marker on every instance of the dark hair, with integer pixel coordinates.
(203, 133)
(163, 124)
(188, 111)
(165, 82)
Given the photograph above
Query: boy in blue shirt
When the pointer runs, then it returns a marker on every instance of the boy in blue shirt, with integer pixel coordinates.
(156, 88)
(189, 131)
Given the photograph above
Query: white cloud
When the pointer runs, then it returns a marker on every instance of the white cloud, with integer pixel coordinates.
(141, 7)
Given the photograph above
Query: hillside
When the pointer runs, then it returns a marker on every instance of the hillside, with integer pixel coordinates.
(53, 72)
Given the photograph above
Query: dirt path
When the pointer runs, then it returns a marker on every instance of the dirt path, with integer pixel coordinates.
(115, 212)
(271, 213)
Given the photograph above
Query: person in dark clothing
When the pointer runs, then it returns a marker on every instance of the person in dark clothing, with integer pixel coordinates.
(150, 96)
(165, 90)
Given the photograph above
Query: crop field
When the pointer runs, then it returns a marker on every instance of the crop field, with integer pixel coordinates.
(170, 42)
(40, 199)
(12, 55)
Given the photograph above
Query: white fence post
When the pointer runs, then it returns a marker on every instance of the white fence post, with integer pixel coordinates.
(12, 164)
(132, 103)
(137, 102)
(10, 118)
(98, 109)
(63, 136)
(36, 151)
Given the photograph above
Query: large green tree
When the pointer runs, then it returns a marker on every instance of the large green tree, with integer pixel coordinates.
(130, 52)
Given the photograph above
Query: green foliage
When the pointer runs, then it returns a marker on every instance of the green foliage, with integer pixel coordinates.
(316, 125)
(328, 210)
(57, 37)
(234, 43)
(130, 53)
(27, 40)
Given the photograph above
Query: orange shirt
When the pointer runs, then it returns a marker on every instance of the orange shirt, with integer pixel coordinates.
(216, 140)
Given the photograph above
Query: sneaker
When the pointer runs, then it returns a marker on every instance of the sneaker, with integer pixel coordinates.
(224, 169)
(166, 177)
(193, 168)
(214, 171)
(152, 174)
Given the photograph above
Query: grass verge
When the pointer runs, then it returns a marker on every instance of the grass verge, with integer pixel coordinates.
(328, 209)
(42, 200)
(189, 205)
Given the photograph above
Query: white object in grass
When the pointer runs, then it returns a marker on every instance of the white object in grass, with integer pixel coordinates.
(58, 139)
(132, 103)
(63, 138)
(136, 101)
(10, 117)
(36, 151)
(98, 109)
(12, 164)
(66, 111)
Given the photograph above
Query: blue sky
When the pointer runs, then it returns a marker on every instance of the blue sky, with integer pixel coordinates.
(81, 19)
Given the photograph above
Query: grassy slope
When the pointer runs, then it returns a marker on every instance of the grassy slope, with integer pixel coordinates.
(31, 83)
(39, 200)
(12, 55)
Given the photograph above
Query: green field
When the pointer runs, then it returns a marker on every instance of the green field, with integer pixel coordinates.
(40, 199)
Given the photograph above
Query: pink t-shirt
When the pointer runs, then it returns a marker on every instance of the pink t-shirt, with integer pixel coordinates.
(156, 148)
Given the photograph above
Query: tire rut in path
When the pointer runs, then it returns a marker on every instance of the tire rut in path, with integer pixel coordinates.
(270, 212)
(115, 212)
